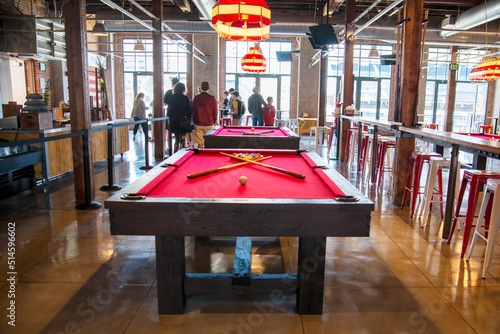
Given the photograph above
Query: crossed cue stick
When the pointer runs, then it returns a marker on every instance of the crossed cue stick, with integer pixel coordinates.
(245, 162)
(258, 133)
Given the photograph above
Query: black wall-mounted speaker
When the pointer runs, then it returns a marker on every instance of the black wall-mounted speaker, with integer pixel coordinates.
(324, 35)
(284, 55)
(388, 59)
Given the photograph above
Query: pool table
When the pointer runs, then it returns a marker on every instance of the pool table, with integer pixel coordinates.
(169, 205)
(265, 137)
(479, 161)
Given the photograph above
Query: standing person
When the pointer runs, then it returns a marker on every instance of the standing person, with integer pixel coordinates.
(139, 112)
(225, 102)
(231, 99)
(255, 103)
(269, 113)
(238, 109)
(169, 92)
(204, 113)
(179, 113)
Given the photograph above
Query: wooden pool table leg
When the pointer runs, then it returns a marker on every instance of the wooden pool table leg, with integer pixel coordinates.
(311, 275)
(170, 273)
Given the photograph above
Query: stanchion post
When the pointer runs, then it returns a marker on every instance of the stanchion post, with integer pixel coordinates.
(146, 147)
(89, 204)
(110, 185)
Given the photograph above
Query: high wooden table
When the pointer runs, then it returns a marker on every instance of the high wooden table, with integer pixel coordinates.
(167, 204)
(458, 142)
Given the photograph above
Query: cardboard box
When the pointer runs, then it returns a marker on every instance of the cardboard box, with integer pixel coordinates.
(11, 109)
(36, 121)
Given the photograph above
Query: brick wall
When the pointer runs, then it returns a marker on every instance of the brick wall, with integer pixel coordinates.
(25, 7)
(46, 76)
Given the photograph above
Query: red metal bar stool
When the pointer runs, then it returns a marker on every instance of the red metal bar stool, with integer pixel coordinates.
(225, 121)
(485, 129)
(476, 178)
(383, 146)
(490, 233)
(249, 117)
(417, 161)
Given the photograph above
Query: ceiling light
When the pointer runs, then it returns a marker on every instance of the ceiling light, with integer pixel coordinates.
(99, 29)
(139, 46)
(373, 52)
(254, 61)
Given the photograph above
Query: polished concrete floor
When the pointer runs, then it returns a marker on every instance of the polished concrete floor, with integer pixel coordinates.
(74, 277)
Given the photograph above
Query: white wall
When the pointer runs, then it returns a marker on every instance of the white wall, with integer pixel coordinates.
(5, 81)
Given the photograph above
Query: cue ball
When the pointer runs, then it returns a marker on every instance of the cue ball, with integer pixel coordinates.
(243, 180)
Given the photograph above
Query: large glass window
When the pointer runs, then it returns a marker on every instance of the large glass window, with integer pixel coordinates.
(470, 96)
(138, 69)
(274, 82)
(373, 79)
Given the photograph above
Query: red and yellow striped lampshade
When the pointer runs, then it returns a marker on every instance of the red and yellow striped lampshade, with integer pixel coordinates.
(254, 61)
(248, 20)
(487, 70)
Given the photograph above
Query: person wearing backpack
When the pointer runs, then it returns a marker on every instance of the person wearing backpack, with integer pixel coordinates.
(238, 109)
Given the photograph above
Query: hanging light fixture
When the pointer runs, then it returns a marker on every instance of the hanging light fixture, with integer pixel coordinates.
(254, 61)
(373, 52)
(138, 45)
(99, 29)
(248, 20)
(486, 70)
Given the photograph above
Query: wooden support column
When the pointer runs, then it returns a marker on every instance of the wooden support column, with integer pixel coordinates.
(348, 89)
(190, 84)
(322, 90)
(78, 79)
(450, 94)
(159, 126)
(409, 81)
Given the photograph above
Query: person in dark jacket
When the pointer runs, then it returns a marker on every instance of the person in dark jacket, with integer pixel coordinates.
(254, 106)
(170, 92)
(179, 108)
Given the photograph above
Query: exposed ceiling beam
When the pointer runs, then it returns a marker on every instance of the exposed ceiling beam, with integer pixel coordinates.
(334, 4)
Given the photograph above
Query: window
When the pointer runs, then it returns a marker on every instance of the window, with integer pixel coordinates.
(243, 81)
(138, 68)
(371, 77)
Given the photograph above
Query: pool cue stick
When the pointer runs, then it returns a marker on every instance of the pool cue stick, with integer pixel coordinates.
(281, 170)
(215, 170)
(236, 131)
(268, 131)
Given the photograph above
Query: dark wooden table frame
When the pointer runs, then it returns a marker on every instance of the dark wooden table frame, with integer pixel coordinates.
(290, 142)
(480, 148)
(170, 219)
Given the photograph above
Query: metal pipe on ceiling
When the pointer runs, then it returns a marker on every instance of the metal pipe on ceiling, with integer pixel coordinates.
(475, 16)
(123, 11)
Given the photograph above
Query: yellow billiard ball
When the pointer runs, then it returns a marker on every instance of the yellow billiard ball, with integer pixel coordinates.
(252, 129)
(468, 134)
(243, 180)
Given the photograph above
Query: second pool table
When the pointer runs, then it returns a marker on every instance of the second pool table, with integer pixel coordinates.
(264, 137)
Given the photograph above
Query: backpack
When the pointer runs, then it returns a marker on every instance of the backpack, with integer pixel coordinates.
(241, 110)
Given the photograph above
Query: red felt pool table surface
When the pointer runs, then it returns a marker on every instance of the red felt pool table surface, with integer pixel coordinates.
(262, 182)
(240, 130)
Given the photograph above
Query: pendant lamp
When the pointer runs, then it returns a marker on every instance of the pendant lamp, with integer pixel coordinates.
(254, 61)
(242, 20)
(486, 70)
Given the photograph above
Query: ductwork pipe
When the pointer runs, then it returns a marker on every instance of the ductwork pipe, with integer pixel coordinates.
(474, 17)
